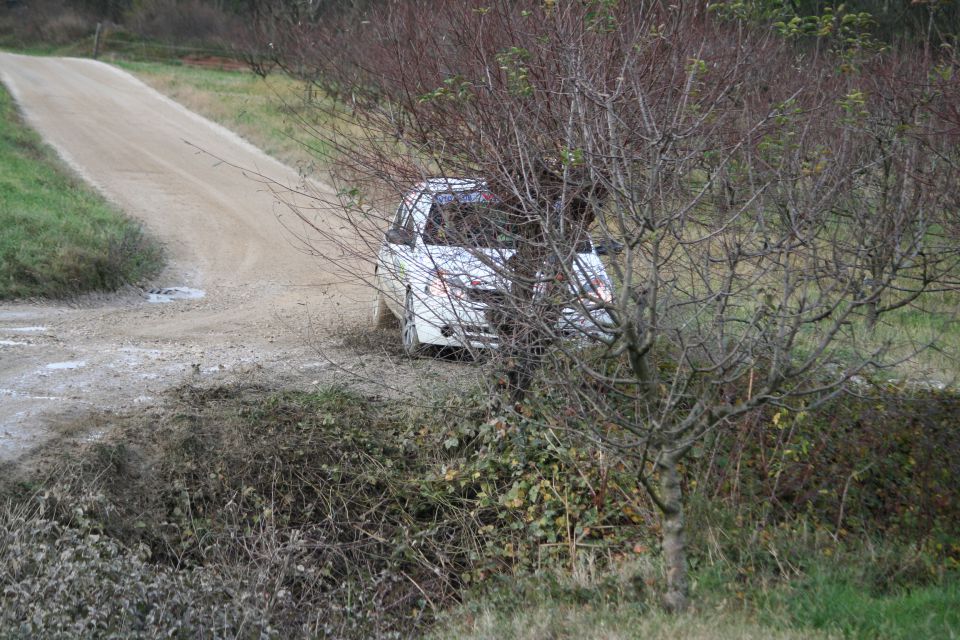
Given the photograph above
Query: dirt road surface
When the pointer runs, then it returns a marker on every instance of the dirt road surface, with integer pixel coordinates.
(255, 305)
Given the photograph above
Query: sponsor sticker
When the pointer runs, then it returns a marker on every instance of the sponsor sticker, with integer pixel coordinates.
(463, 196)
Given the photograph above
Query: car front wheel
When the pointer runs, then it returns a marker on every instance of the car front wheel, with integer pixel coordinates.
(408, 328)
(381, 315)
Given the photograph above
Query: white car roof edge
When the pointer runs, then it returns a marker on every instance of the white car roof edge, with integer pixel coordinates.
(439, 185)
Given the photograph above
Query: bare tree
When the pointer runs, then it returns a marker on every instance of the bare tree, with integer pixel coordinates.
(766, 296)
(770, 209)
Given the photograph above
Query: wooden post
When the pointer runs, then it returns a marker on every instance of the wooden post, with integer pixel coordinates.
(96, 41)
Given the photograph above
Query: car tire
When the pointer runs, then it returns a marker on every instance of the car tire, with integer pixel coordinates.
(381, 315)
(408, 329)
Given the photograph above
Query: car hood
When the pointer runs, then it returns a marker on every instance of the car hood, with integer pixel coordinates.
(475, 267)
(483, 268)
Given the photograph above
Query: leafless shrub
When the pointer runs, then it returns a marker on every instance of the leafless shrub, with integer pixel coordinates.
(47, 21)
(190, 21)
(771, 206)
(66, 26)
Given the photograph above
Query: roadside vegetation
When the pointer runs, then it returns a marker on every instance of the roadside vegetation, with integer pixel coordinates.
(156, 29)
(332, 514)
(59, 237)
(295, 123)
(771, 223)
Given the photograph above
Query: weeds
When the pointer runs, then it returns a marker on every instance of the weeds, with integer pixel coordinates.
(333, 514)
(593, 605)
(880, 460)
(375, 513)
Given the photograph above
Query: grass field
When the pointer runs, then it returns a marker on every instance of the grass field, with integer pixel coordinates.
(273, 112)
(59, 237)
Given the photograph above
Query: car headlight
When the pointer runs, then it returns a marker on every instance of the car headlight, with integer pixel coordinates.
(445, 285)
(599, 289)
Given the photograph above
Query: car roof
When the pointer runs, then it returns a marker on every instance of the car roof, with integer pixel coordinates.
(446, 185)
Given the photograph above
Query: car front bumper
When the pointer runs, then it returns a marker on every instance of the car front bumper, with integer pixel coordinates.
(460, 324)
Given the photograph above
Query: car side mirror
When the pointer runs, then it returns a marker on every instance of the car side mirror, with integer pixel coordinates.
(608, 247)
(399, 235)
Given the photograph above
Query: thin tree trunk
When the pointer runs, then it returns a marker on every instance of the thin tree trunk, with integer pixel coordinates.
(674, 537)
(873, 313)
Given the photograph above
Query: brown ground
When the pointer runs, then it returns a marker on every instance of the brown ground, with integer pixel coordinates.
(214, 62)
(270, 313)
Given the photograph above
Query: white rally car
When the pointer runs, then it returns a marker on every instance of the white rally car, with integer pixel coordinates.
(440, 270)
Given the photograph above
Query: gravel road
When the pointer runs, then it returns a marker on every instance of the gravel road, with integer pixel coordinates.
(249, 303)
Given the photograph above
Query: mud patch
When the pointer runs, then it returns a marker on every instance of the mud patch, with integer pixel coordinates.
(169, 294)
(215, 62)
(12, 393)
(70, 364)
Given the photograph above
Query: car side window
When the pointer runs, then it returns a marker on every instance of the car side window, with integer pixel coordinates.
(404, 218)
(400, 217)
(407, 221)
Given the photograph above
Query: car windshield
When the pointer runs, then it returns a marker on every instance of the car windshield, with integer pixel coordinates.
(468, 219)
(475, 219)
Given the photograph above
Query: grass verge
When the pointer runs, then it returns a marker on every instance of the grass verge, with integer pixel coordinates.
(275, 113)
(59, 237)
(601, 606)
(825, 605)
(842, 606)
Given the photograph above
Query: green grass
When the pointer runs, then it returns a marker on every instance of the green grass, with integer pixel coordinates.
(273, 112)
(59, 237)
(607, 606)
(13, 46)
(831, 603)
(824, 605)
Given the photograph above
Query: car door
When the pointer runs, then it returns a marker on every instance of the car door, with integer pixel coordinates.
(395, 259)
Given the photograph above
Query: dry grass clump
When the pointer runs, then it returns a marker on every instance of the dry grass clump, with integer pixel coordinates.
(62, 577)
(347, 516)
